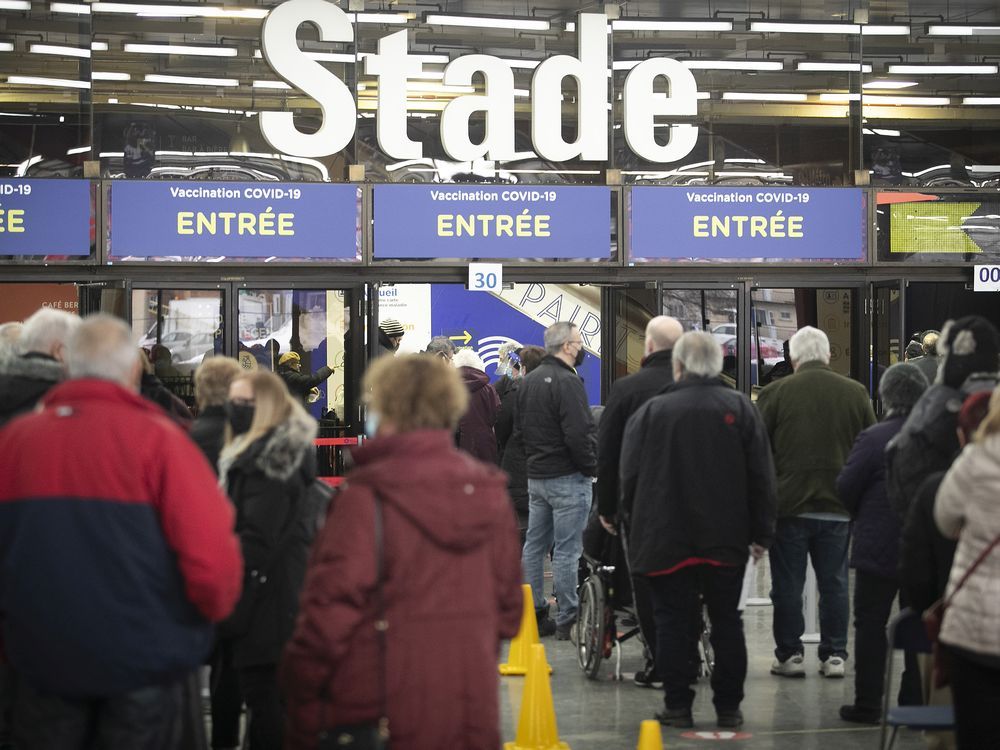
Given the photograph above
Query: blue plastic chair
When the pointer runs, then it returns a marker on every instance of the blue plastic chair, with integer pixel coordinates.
(906, 632)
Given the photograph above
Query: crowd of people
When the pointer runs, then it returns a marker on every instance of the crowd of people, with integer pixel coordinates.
(179, 540)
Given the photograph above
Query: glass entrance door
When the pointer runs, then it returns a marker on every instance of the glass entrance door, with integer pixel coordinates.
(714, 308)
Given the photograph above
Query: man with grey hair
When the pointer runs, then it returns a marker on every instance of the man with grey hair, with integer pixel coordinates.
(9, 335)
(812, 418)
(693, 526)
(554, 422)
(442, 346)
(112, 512)
(627, 395)
(24, 379)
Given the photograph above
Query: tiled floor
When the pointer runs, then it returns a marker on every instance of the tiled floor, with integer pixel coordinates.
(780, 713)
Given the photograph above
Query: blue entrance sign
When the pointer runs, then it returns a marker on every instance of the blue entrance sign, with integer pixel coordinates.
(775, 223)
(473, 221)
(153, 219)
(45, 217)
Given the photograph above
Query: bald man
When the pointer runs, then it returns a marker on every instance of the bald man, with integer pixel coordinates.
(626, 396)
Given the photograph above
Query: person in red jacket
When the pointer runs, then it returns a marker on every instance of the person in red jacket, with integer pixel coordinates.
(451, 568)
(117, 554)
(475, 428)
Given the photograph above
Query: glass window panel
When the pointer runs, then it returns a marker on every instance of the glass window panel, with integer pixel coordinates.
(712, 310)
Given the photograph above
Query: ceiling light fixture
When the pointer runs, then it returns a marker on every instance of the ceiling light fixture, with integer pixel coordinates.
(748, 96)
(886, 85)
(961, 29)
(842, 98)
(176, 11)
(952, 70)
(761, 65)
(386, 18)
(98, 75)
(58, 49)
(667, 24)
(191, 80)
(78, 9)
(78, 150)
(340, 57)
(832, 67)
(15, 5)
(99, 46)
(981, 100)
(270, 85)
(912, 101)
(6, 46)
(180, 49)
(875, 29)
(827, 27)
(522, 23)
(41, 81)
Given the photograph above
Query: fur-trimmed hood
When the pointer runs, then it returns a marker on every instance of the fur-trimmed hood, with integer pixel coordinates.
(278, 454)
(24, 380)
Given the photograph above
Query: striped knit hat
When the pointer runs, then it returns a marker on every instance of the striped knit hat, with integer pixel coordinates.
(391, 327)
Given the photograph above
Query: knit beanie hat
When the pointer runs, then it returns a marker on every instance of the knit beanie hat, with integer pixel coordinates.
(967, 345)
(391, 327)
(900, 388)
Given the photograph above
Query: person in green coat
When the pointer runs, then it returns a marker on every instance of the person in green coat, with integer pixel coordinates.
(812, 418)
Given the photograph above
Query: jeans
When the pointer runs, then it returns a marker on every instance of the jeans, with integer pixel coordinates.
(149, 718)
(975, 688)
(825, 542)
(676, 607)
(557, 514)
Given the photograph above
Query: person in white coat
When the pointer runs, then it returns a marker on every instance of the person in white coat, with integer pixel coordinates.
(967, 508)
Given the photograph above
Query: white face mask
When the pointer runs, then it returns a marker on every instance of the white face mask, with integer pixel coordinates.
(371, 423)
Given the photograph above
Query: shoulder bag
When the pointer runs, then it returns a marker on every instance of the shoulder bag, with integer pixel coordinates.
(370, 735)
(933, 618)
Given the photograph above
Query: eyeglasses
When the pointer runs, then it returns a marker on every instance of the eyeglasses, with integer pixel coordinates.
(575, 341)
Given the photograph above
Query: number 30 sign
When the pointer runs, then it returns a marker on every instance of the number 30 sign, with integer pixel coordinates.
(485, 277)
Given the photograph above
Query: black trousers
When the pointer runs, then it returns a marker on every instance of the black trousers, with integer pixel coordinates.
(676, 609)
(873, 599)
(643, 602)
(227, 700)
(975, 689)
(259, 685)
(150, 718)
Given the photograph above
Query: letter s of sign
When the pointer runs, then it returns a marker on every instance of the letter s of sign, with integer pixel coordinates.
(334, 98)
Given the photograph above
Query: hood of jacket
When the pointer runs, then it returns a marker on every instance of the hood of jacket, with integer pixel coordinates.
(442, 491)
(25, 379)
(278, 454)
(475, 380)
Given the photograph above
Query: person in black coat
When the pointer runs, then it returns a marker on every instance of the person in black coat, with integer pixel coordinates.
(511, 447)
(627, 395)
(266, 468)
(695, 516)
(874, 551)
(211, 389)
(26, 378)
(300, 384)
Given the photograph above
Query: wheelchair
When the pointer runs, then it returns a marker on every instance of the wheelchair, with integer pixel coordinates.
(607, 599)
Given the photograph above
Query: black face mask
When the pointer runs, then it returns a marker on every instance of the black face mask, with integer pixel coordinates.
(579, 357)
(240, 417)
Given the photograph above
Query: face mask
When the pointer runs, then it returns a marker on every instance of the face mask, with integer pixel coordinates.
(579, 357)
(240, 417)
(371, 423)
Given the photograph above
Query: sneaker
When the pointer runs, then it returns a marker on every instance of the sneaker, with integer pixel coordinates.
(676, 717)
(790, 667)
(832, 667)
(729, 719)
(565, 631)
(860, 714)
(647, 677)
(546, 625)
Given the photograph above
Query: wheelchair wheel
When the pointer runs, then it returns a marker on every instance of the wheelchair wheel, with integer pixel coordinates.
(590, 627)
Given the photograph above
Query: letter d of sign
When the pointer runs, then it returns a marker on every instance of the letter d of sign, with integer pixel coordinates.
(640, 106)
(282, 53)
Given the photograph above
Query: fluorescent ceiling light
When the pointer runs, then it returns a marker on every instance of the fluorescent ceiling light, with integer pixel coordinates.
(880, 131)
(39, 81)
(99, 75)
(219, 110)
(803, 27)
(177, 10)
(875, 29)
(180, 49)
(839, 98)
(270, 85)
(387, 18)
(699, 64)
(6, 46)
(523, 23)
(833, 67)
(15, 5)
(110, 154)
(945, 29)
(981, 100)
(571, 26)
(15, 114)
(341, 57)
(79, 9)
(58, 49)
(78, 150)
(931, 70)
(912, 101)
(748, 96)
(191, 80)
(99, 46)
(156, 106)
(888, 84)
(662, 24)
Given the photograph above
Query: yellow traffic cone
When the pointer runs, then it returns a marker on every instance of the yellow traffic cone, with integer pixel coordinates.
(527, 636)
(650, 737)
(536, 727)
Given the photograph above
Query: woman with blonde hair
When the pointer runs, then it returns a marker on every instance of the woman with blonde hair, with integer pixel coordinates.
(267, 465)
(412, 583)
(967, 508)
